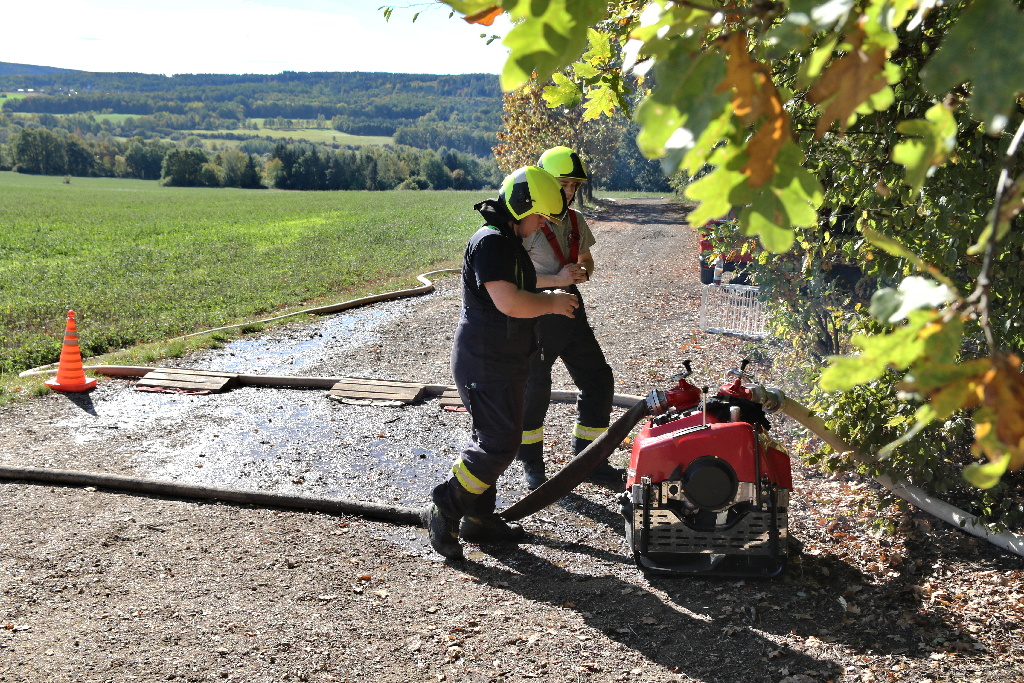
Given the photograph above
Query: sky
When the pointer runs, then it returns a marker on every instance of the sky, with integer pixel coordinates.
(247, 36)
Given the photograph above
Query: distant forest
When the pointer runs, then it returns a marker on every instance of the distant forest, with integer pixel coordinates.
(214, 129)
(63, 122)
(428, 111)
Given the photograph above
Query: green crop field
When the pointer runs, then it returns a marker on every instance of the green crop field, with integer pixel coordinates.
(326, 136)
(138, 262)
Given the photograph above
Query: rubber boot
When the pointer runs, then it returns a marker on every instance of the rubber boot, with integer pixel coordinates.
(443, 532)
(605, 474)
(532, 457)
(490, 529)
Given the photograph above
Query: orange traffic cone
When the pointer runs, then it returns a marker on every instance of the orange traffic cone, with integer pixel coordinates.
(70, 375)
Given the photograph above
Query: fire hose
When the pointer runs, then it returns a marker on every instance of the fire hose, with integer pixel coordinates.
(580, 467)
(564, 481)
(1007, 540)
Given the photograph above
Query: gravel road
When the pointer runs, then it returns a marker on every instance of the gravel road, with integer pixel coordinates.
(105, 586)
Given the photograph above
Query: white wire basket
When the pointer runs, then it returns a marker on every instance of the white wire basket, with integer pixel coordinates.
(732, 309)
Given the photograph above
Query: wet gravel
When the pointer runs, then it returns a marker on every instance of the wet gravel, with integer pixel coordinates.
(104, 586)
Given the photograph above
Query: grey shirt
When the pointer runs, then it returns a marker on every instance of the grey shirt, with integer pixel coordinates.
(541, 253)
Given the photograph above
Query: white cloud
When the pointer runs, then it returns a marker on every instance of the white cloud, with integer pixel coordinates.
(244, 36)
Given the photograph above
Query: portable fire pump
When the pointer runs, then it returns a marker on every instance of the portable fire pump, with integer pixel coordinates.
(707, 489)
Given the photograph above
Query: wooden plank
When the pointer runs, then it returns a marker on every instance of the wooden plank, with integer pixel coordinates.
(364, 382)
(406, 392)
(450, 398)
(188, 379)
(404, 395)
(211, 385)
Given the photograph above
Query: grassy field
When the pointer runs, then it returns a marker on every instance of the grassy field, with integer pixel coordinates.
(327, 136)
(11, 96)
(141, 263)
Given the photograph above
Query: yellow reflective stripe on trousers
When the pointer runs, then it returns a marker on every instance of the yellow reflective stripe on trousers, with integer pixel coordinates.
(588, 433)
(466, 478)
(533, 436)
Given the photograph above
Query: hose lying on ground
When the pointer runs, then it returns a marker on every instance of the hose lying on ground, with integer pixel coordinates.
(425, 288)
(1006, 540)
(580, 467)
(399, 515)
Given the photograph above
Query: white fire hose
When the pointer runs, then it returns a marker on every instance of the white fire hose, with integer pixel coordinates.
(774, 400)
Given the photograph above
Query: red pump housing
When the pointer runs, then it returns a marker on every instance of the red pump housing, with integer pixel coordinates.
(707, 490)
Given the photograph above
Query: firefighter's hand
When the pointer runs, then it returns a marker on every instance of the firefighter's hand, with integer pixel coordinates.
(570, 274)
(563, 303)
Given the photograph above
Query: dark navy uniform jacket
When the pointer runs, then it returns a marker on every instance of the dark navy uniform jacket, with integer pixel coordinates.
(489, 345)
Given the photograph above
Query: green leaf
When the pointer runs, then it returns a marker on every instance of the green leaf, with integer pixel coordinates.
(688, 103)
(546, 36)
(564, 93)
(987, 475)
(889, 244)
(585, 70)
(600, 100)
(846, 372)
(719, 129)
(898, 349)
(812, 67)
(927, 377)
(791, 200)
(935, 139)
(951, 398)
(901, 347)
(766, 217)
(942, 344)
(983, 47)
(914, 293)
(600, 51)
(715, 193)
(887, 14)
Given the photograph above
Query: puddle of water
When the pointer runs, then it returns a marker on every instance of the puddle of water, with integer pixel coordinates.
(278, 353)
(290, 440)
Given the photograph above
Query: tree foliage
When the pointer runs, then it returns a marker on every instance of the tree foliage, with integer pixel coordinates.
(530, 126)
(905, 115)
(454, 111)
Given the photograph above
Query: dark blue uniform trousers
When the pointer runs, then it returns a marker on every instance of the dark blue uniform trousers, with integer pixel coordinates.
(490, 365)
(572, 340)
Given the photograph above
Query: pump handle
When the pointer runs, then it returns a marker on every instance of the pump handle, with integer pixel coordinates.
(682, 375)
(742, 373)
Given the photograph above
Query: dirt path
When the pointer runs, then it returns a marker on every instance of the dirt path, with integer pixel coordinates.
(101, 586)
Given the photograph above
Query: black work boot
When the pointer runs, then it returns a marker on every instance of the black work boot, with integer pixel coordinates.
(490, 529)
(607, 475)
(532, 457)
(443, 532)
(533, 471)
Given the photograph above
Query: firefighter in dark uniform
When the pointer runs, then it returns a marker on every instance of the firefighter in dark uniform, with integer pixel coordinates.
(557, 250)
(494, 341)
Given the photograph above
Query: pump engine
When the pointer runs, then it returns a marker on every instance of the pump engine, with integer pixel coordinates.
(707, 489)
